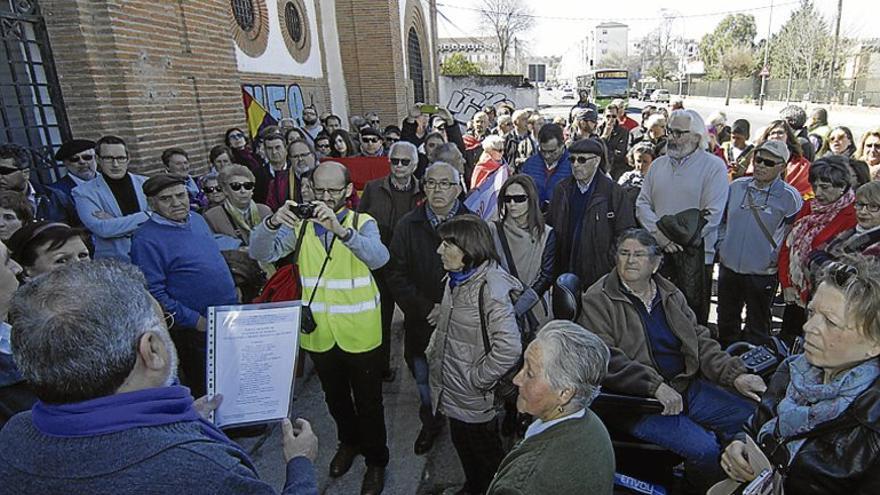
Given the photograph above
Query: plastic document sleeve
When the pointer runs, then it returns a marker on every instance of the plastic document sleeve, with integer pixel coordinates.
(252, 352)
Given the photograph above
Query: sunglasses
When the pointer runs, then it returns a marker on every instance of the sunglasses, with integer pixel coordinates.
(516, 198)
(374, 121)
(676, 133)
(765, 162)
(236, 135)
(370, 140)
(401, 161)
(10, 170)
(584, 159)
(323, 146)
(212, 189)
(81, 158)
(236, 186)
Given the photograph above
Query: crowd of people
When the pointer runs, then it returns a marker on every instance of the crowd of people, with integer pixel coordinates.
(107, 356)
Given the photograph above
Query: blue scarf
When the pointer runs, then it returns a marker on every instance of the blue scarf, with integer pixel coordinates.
(809, 402)
(121, 412)
(458, 278)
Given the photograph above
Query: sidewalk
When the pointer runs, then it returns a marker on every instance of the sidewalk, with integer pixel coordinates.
(776, 106)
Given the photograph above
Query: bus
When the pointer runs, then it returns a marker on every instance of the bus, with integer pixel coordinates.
(605, 85)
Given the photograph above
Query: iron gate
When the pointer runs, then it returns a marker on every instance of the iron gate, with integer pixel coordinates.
(31, 107)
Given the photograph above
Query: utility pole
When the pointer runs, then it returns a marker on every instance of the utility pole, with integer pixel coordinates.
(833, 71)
(765, 73)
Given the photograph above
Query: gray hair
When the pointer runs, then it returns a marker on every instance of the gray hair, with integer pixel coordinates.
(408, 147)
(574, 359)
(456, 175)
(444, 152)
(75, 330)
(493, 142)
(656, 119)
(644, 238)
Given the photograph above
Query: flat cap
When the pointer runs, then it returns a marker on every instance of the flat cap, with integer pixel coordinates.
(158, 183)
(72, 147)
(775, 148)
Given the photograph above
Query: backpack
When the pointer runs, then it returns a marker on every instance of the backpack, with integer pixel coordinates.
(285, 285)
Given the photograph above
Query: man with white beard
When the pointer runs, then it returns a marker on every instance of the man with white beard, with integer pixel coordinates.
(686, 177)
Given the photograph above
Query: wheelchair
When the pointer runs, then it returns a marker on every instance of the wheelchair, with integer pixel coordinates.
(644, 467)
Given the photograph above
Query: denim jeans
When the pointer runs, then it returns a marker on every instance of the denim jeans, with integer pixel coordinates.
(709, 412)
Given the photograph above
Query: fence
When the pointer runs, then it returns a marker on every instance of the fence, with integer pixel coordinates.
(860, 92)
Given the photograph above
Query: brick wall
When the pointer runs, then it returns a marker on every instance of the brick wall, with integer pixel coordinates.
(164, 73)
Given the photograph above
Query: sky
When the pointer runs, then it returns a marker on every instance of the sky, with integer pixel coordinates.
(561, 23)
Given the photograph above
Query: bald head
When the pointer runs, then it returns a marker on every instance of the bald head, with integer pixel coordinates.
(332, 171)
(331, 182)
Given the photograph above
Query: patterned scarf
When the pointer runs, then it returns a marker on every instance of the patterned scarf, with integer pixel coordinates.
(244, 225)
(809, 401)
(805, 230)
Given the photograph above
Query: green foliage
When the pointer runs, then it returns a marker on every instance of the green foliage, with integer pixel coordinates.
(458, 65)
(802, 48)
(729, 46)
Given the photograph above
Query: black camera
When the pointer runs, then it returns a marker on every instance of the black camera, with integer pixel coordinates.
(307, 321)
(304, 211)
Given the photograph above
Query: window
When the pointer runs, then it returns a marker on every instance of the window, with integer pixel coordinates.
(414, 56)
(243, 11)
(292, 15)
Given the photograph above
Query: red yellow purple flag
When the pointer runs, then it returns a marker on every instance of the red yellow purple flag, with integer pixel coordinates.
(257, 116)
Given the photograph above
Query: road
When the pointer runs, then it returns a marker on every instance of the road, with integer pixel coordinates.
(858, 120)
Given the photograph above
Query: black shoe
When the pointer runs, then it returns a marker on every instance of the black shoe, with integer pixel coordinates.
(343, 459)
(389, 375)
(424, 441)
(374, 481)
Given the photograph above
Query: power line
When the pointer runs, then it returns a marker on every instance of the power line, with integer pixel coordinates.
(467, 35)
(600, 19)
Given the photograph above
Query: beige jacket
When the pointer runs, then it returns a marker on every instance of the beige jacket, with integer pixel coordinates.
(461, 374)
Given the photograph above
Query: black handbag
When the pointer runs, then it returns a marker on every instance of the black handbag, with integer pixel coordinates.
(504, 389)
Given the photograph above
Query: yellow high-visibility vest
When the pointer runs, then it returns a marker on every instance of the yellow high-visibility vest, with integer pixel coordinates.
(346, 304)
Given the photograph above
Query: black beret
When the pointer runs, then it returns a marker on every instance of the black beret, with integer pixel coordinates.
(588, 145)
(158, 183)
(73, 147)
(370, 131)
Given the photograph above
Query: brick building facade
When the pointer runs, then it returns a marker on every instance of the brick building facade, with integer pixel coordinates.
(163, 73)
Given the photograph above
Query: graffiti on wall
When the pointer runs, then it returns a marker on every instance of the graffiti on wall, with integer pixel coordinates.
(464, 103)
(280, 101)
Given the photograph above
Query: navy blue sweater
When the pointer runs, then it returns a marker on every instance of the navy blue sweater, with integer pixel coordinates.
(183, 266)
(664, 345)
(174, 459)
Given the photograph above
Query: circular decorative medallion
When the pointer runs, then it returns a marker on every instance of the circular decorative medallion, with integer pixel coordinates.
(294, 21)
(250, 25)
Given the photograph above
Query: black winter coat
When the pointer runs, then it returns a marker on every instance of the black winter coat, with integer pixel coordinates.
(607, 215)
(841, 456)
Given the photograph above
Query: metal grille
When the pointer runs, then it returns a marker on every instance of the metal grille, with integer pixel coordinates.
(243, 10)
(414, 52)
(31, 107)
(294, 23)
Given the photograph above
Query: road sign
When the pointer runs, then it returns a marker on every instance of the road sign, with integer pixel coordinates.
(765, 72)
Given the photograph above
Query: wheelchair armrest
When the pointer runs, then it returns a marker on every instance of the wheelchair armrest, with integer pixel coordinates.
(629, 404)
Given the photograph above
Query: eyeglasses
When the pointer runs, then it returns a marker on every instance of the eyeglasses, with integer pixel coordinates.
(871, 207)
(637, 255)
(212, 189)
(440, 186)
(236, 186)
(169, 320)
(765, 162)
(302, 156)
(117, 159)
(401, 161)
(676, 133)
(370, 140)
(10, 170)
(842, 273)
(81, 158)
(516, 198)
(584, 159)
(320, 191)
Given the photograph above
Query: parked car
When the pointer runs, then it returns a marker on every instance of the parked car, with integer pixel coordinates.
(646, 94)
(660, 96)
(567, 94)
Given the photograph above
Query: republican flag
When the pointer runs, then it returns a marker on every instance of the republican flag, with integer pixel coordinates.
(257, 116)
(483, 200)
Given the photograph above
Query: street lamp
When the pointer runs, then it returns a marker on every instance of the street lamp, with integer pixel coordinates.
(765, 71)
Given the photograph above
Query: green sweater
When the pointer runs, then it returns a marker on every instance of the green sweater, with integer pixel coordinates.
(571, 457)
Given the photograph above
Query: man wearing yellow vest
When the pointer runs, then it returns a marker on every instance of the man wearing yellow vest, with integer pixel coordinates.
(339, 248)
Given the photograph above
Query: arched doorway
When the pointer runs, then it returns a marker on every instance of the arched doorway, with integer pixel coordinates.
(416, 73)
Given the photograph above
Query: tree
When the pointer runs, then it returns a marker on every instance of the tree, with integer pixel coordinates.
(802, 48)
(737, 61)
(507, 19)
(458, 65)
(728, 50)
(658, 50)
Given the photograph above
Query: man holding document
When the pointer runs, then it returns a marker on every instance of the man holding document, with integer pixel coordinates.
(342, 325)
(111, 417)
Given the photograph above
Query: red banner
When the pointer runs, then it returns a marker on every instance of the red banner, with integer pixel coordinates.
(363, 169)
